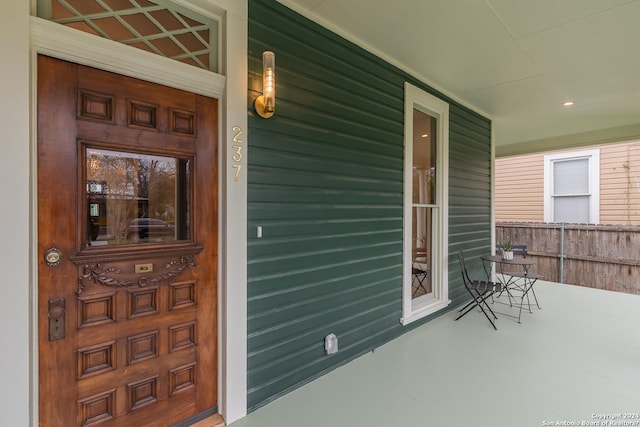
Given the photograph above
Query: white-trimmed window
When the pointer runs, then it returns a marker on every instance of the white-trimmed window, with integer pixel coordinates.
(572, 187)
(426, 195)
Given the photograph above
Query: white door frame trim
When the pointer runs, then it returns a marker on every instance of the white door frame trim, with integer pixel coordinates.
(230, 87)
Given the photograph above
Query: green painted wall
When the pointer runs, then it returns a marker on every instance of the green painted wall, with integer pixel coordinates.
(325, 185)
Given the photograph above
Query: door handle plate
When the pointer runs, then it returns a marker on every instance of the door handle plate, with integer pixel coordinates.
(56, 319)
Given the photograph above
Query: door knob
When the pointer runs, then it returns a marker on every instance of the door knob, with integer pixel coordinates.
(53, 256)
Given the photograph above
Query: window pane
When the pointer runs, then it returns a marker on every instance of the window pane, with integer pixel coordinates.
(136, 198)
(571, 209)
(424, 158)
(421, 252)
(571, 176)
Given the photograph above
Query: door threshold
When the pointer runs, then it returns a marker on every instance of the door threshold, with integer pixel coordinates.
(214, 420)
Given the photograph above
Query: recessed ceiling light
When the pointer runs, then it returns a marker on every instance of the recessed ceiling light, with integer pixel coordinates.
(424, 135)
(567, 103)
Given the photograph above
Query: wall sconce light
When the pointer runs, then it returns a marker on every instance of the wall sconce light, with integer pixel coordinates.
(265, 104)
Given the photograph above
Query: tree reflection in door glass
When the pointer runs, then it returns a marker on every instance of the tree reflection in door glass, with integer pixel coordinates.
(136, 198)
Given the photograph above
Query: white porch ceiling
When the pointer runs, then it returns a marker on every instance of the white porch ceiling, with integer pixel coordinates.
(516, 61)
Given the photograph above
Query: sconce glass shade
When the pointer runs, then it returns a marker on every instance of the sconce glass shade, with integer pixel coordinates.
(265, 104)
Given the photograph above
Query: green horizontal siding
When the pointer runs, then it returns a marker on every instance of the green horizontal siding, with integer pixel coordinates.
(325, 184)
(469, 195)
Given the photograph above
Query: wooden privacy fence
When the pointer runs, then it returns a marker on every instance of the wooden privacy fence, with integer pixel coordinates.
(596, 256)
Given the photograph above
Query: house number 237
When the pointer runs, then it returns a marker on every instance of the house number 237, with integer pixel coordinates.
(237, 155)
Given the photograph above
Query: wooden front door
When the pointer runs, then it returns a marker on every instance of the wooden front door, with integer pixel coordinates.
(127, 244)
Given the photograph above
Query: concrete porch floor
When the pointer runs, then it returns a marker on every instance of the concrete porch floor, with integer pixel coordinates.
(570, 363)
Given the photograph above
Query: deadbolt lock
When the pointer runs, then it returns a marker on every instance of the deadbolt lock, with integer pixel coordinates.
(53, 256)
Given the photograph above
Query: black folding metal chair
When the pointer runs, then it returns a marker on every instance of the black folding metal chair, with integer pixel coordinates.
(419, 272)
(479, 290)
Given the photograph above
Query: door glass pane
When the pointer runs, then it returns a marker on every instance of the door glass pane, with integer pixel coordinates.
(136, 198)
(571, 177)
(424, 158)
(421, 252)
(571, 209)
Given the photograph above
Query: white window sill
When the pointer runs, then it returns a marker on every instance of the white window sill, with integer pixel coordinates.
(423, 309)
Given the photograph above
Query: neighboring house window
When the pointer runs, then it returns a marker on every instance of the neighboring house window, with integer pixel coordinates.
(572, 187)
(426, 165)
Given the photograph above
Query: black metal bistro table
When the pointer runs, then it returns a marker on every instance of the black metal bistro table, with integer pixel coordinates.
(518, 280)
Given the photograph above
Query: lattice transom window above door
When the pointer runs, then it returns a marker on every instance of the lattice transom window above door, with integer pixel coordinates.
(159, 26)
